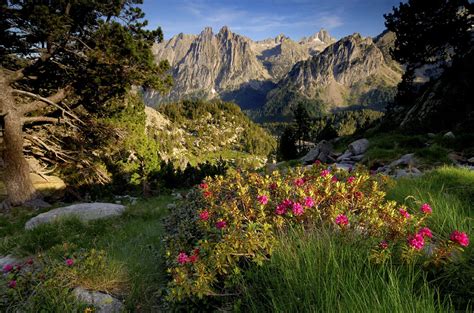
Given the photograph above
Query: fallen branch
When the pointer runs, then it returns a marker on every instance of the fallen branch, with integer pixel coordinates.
(45, 119)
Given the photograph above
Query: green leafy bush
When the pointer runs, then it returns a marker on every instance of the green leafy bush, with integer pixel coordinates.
(230, 222)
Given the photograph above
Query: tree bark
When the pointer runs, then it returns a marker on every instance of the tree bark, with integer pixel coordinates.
(17, 179)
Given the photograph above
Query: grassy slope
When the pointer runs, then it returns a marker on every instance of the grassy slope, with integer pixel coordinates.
(132, 245)
(320, 272)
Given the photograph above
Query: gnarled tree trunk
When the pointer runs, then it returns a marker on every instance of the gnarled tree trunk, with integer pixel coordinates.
(17, 179)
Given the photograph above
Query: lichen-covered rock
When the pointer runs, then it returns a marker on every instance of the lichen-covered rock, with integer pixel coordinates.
(321, 152)
(103, 303)
(82, 211)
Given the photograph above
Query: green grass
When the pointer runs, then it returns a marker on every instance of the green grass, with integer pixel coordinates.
(450, 191)
(131, 244)
(323, 272)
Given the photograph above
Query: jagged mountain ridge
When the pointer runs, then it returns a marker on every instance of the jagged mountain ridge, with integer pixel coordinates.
(230, 65)
(353, 71)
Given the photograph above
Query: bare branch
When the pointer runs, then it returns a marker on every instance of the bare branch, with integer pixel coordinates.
(45, 119)
(40, 104)
(48, 100)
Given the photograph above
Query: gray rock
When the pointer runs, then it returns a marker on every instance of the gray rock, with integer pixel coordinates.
(449, 135)
(431, 135)
(345, 155)
(399, 173)
(171, 206)
(321, 152)
(344, 166)
(471, 160)
(407, 159)
(83, 211)
(9, 259)
(359, 146)
(103, 303)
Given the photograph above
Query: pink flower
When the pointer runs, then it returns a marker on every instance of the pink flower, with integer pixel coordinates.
(7, 268)
(182, 258)
(341, 220)
(12, 284)
(204, 215)
(287, 203)
(317, 162)
(350, 180)
(308, 202)
(262, 199)
(207, 194)
(324, 173)
(404, 213)
(280, 209)
(425, 208)
(29, 262)
(192, 258)
(358, 194)
(383, 244)
(298, 182)
(334, 179)
(221, 224)
(297, 209)
(460, 238)
(273, 186)
(425, 232)
(416, 242)
(203, 186)
(69, 262)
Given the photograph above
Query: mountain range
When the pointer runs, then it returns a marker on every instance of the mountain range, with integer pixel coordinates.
(272, 76)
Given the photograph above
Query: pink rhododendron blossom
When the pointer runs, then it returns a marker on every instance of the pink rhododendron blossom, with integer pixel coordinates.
(203, 186)
(334, 179)
(280, 209)
(192, 258)
(297, 209)
(69, 262)
(299, 182)
(460, 238)
(404, 213)
(325, 173)
(287, 203)
(383, 244)
(207, 194)
(29, 262)
(350, 179)
(182, 258)
(308, 202)
(416, 242)
(358, 194)
(425, 208)
(12, 284)
(425, 232)
(317, 162)
(204, 215)
(342, 220)
(221, 224)
(262, 199)
(273, 186)
(7, 268)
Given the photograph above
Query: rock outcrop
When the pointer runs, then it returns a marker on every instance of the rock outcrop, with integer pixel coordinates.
(102, 302)
(82, 211)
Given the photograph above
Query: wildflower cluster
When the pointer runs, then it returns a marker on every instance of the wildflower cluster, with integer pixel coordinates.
(231, 221)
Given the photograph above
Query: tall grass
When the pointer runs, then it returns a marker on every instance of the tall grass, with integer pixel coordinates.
(324, 272)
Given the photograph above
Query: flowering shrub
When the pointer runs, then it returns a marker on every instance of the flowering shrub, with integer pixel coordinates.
(229, 222)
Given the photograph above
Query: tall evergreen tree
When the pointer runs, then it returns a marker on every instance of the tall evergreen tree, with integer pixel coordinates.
(58, 55)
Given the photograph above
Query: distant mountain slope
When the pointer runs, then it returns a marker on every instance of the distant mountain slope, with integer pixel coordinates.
(231, 66)
(353, 71)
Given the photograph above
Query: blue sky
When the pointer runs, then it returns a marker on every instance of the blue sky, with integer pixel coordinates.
(260, 19)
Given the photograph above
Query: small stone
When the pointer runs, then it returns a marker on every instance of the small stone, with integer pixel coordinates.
(407, 159)
(103, 303)
(171, 206)
(471, 160)
(431, 135)
(357, 158)
(345, 155)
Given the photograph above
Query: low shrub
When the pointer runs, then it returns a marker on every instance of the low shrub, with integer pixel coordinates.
(228, 223)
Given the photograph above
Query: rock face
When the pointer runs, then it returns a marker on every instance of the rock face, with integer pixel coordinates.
(352, 71)
(83, 211)
(103, 303)
(229, 65)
